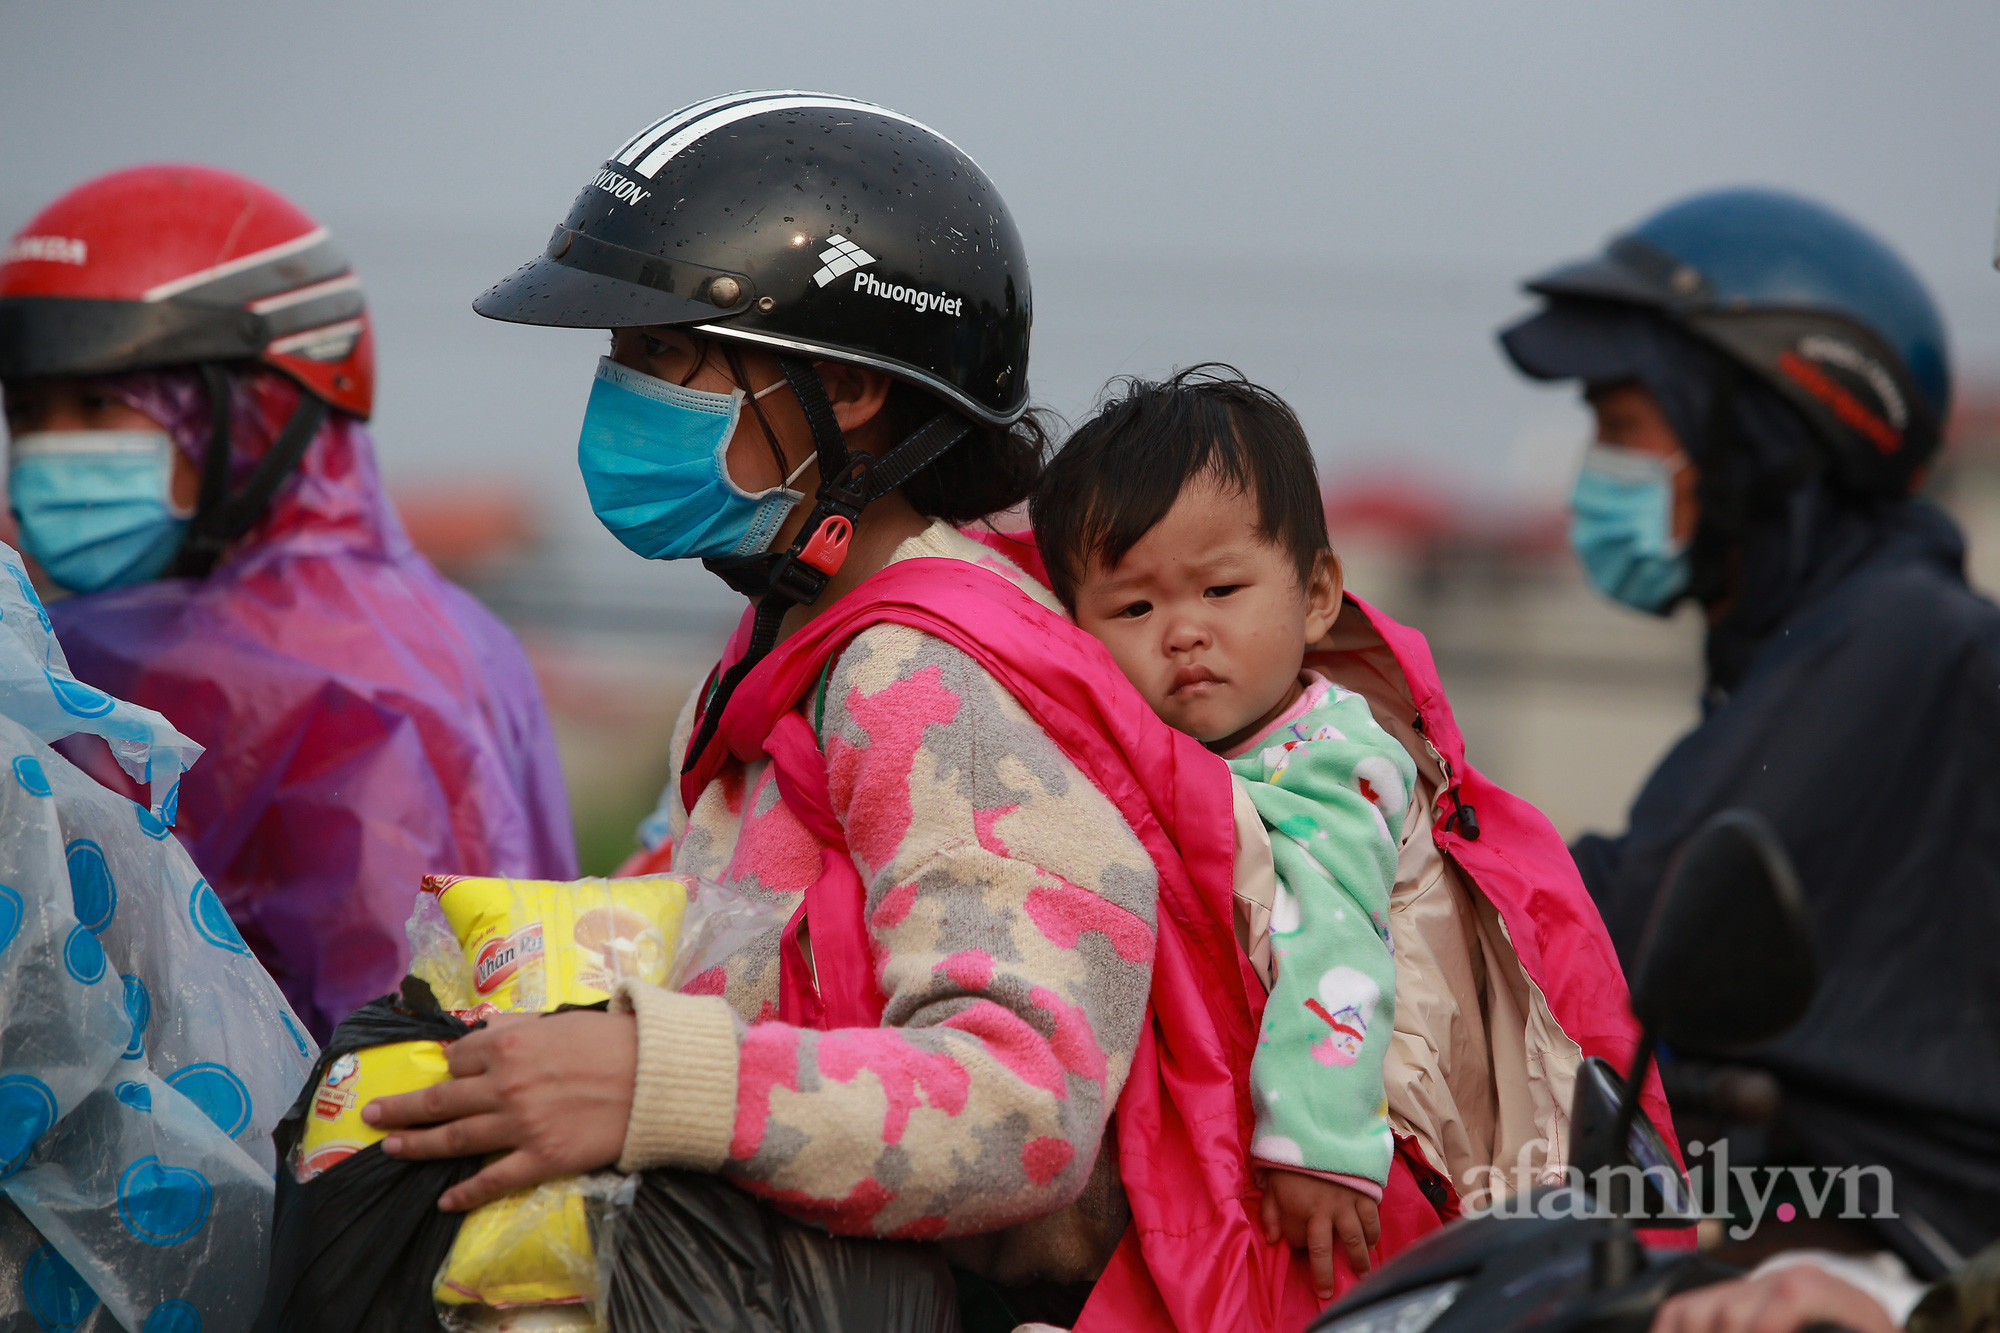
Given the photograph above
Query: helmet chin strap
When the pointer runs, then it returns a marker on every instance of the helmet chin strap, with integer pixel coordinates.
(849, 481)
(219, 517)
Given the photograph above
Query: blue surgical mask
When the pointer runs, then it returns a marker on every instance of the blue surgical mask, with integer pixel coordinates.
(96, 507)
(1622, 526)
(654, 460)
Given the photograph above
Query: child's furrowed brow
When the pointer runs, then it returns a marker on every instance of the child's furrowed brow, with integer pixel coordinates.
(1117, 585)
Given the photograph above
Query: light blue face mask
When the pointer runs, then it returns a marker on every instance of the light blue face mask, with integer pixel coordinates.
(96, 507)
(653, 456)
(1622, 527)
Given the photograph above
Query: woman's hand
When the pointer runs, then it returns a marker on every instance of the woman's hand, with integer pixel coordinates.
(1306, 1212)
(553, 1094)
(1787, 1301)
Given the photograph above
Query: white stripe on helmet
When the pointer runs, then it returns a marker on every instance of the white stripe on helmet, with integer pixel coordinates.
(636, 146)
(674, 143)
(207, 275)
(345, 283)
(322, 344)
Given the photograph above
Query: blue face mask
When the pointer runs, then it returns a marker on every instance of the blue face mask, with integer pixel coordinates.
(1622, 527)
(653, 456)
(96, 506)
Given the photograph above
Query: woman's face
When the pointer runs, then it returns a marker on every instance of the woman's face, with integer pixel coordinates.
(1628, 416)
(38, 405)
(699, 363)
(68, 404)
(772, 438)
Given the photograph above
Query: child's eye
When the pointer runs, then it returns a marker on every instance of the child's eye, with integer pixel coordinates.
(1134, 611)
(1223, 589)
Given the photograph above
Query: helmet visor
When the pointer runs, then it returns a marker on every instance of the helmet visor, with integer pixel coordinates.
(581, 282)
(44, 335)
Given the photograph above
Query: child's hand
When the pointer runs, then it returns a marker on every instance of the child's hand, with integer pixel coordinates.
(1306, 1213)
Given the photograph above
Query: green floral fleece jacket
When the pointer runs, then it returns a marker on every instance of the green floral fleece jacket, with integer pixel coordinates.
(1330, 785)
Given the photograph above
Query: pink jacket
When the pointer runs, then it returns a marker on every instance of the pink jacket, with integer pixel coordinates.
(1194, 1257)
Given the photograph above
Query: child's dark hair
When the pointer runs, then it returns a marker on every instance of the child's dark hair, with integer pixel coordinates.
(1124, 468)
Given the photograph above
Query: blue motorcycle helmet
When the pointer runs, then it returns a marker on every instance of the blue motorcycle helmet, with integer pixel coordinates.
(1810, 303)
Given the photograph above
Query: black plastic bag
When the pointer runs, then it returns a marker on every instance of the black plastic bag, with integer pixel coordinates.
(359, 1246)
(686, 1252)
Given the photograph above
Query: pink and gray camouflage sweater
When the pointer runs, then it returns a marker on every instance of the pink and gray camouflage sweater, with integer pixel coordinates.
(1011, 913)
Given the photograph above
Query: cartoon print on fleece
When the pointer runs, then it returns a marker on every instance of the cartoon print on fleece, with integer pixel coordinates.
(1329, 784)
(1011, 912)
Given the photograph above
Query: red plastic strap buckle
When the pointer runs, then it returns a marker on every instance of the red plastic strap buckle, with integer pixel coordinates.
(827, 551)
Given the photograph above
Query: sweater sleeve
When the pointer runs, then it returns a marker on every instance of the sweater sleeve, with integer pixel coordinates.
(1010, 915)
(1330, 788)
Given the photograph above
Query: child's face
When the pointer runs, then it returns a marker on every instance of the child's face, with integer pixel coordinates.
(1207, 618)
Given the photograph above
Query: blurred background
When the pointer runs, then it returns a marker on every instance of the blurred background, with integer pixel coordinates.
(1340, 199)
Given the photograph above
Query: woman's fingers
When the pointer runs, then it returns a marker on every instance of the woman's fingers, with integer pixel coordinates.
(516, 1171)
(455, 1138)
(1787, 1301)
(474, 1053)
(556, 1090)
(1319, 1249)
(449, 1100)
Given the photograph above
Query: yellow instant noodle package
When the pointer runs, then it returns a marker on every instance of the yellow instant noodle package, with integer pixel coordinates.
(535, 944)
(529, 946)
(531, 1248)
(334, 1130)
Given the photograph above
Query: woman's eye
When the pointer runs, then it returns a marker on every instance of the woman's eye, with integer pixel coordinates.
(1134, 611)
(655, 347)
(1223, 589)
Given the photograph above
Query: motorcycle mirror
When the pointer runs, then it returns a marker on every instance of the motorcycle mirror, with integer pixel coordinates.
(1727, 958)
(1655, 1190)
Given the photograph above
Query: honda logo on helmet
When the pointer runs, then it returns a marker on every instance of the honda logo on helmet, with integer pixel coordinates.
(48, 249)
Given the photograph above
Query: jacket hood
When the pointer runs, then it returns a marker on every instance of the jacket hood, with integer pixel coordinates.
(333, 501)
(1774, 531)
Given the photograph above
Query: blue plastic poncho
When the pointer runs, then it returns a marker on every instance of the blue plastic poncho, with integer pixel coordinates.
(144, 1055)
(367, 722)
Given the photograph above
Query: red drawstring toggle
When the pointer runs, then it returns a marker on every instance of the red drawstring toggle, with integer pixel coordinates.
(827, 551)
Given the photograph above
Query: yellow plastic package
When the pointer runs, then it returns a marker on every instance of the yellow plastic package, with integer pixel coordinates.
(334, 1130)
(535, 944)
(531, 1248)
(532, 945)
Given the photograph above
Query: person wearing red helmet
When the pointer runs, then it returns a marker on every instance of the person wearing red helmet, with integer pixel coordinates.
(188, 368)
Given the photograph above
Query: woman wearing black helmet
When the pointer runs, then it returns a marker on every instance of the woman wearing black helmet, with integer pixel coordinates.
(1770, 383)
(812, 292)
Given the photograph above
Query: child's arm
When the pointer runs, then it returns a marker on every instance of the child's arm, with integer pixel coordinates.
(1330, 801)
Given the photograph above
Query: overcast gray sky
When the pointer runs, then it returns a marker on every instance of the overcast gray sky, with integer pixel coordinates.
(1341, 196)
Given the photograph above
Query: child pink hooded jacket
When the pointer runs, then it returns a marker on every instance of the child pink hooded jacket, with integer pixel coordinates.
(1193, 1256)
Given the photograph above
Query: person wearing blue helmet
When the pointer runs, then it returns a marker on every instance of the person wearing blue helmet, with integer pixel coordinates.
(1770, 384)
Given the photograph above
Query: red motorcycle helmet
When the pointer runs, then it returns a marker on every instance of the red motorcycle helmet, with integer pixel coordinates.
(175, 265)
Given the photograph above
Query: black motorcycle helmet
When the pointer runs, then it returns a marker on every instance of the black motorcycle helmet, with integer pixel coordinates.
(805, 224)
(815, 227)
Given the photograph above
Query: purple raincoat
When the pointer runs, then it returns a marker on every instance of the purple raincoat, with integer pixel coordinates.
(366, 721)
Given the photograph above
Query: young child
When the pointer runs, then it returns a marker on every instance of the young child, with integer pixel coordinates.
(1182, 527)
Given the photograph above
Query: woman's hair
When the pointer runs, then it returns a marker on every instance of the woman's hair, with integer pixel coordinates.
(992, 469)
(1125, 467)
